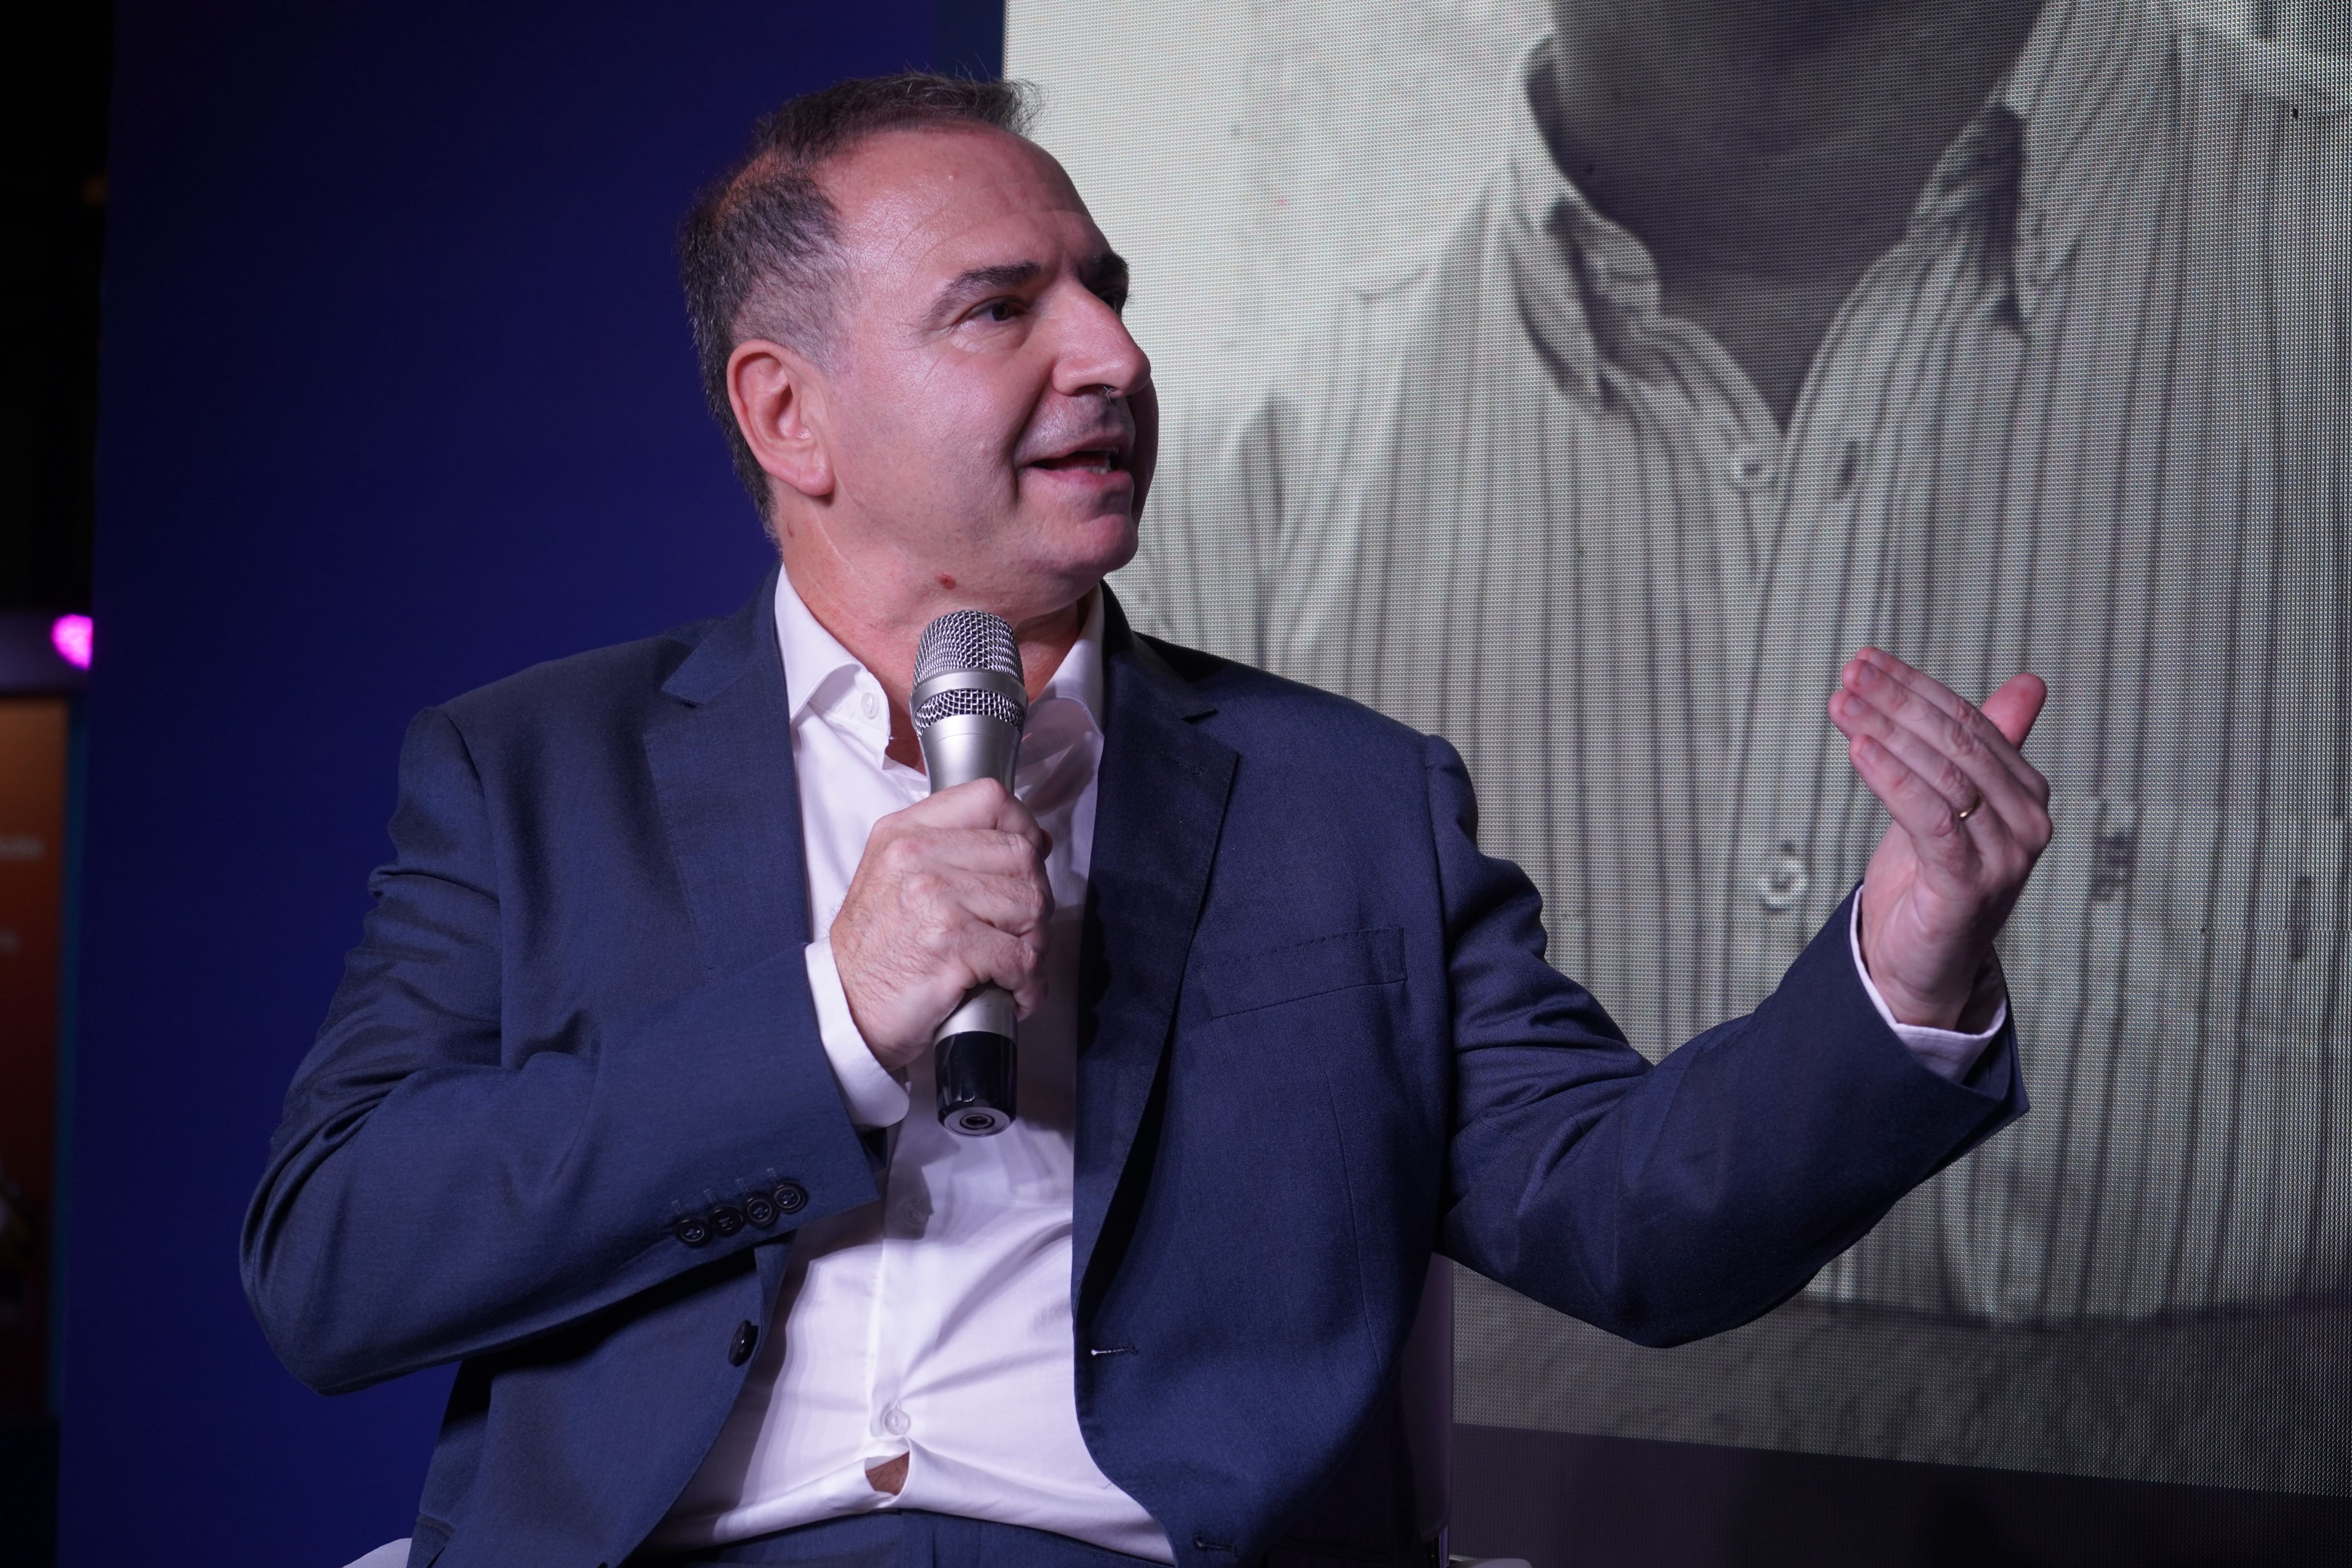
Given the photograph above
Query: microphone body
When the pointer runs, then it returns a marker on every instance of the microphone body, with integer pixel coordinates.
(970, 704)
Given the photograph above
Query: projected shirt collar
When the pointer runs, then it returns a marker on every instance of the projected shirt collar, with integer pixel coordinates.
(2009, 181)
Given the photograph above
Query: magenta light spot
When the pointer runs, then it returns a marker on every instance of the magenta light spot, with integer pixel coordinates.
(69, 634)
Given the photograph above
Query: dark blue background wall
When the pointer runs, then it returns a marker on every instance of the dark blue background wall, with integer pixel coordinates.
(397, 399)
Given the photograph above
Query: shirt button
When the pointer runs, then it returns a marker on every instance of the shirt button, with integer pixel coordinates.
(871, 704)
(1753, 469)
(1785, 879)
(912, 1214)
(1849, 466)
(894, 1422)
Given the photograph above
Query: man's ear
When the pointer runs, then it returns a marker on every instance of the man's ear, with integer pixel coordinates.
(778, 397)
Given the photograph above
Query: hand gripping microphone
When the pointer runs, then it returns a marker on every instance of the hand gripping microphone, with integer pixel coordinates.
(970, 704)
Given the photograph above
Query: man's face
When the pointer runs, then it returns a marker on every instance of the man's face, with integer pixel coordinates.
(991, 422)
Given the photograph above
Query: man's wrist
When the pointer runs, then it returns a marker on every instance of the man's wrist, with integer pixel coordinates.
(875, 1097)
(1949, 1053)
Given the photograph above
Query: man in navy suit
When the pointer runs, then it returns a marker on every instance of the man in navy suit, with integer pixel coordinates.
(613, 1105)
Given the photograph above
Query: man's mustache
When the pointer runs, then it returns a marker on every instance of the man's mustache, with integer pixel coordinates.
(1109, 429)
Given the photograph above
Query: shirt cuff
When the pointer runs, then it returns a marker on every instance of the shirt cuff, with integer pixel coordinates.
(875, 1097)
(1949, 1054)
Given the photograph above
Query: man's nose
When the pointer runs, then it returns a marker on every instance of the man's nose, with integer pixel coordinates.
(1097, 350)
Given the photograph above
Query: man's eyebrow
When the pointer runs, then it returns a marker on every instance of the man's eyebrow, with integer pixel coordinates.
(988, 279)
(1107, 270)
(979, 282)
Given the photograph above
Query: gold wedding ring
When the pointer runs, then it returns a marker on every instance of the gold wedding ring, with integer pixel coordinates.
(1974, 806)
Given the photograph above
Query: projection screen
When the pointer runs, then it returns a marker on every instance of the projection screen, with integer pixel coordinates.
(1449, 432)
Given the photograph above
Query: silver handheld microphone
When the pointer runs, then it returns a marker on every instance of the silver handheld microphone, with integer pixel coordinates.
(970, 704)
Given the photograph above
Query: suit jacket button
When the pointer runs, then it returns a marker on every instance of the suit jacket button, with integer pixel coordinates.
(726, 1219)
(791, 1197)
(760, 1209)
(691, 1229)
(746, 1339)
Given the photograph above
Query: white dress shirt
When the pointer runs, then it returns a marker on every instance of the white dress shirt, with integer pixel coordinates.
(935, 1323)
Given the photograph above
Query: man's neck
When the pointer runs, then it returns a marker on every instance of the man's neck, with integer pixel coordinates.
(1766, 154)
(882, 629)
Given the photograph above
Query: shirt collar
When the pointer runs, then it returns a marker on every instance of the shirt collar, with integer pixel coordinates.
(817, 667)
(1079, 679)
(1581, 278)
(2088, 78)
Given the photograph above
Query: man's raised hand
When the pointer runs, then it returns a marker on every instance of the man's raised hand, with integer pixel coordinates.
(1972, 817)
(950, 894)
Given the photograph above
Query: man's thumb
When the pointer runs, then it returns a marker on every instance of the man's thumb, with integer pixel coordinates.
(2016, 705)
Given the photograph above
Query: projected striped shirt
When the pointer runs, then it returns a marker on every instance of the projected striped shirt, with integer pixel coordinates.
(2088, 417)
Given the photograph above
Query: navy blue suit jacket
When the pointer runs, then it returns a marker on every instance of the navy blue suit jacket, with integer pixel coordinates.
(1319, 1039)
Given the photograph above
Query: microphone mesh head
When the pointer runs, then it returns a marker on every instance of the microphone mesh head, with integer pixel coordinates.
(964, 640)
(965, 699)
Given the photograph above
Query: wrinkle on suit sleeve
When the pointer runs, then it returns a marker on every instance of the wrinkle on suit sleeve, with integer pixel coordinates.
(432, 1192)
(1663, 1204)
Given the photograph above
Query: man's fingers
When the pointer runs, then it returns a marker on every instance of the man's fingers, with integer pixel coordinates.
(1016, 906)
(1006, 813)
(1927, 708)
(984, 851)
(976, 803)
(1919, 808)
(1958, 769)
(1016, 965)
(950, 893)
(2015, 707)
(979, 804)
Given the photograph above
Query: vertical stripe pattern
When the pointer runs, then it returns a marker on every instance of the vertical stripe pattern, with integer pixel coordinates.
(2089, 417)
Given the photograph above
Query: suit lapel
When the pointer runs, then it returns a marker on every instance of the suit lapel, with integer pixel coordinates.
(1159, 807)
(721, 758)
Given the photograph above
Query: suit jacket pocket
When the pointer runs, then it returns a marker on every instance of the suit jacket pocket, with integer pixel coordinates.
(1242, 983)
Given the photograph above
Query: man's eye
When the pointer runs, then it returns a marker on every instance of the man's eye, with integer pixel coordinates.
(998, 311)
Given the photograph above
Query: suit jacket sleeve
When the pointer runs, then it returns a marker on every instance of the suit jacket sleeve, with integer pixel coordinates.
(437, 1190)
(1667, 1202)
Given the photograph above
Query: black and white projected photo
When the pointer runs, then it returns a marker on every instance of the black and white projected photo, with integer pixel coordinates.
(1585, 382)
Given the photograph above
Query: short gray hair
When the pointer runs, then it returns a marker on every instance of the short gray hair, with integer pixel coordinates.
(761, 252)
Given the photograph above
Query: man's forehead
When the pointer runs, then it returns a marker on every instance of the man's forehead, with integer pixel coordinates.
(930, 197)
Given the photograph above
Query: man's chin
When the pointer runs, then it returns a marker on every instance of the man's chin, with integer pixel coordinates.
(1119, 549)
(1044, 585)
(1085, 548)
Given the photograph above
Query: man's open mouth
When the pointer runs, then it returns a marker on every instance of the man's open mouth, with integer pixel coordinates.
(1089, 460)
